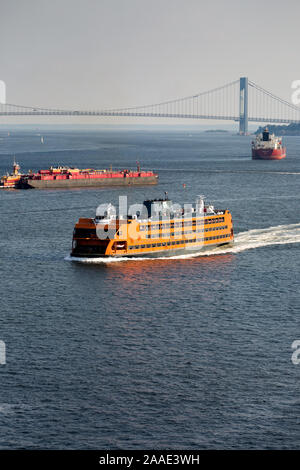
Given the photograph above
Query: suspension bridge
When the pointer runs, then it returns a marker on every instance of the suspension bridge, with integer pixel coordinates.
(242, 101)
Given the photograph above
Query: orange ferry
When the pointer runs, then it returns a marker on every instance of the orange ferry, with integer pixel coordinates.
(164, 230)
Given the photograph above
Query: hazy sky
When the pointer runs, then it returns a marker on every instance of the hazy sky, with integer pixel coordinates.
(94, 54)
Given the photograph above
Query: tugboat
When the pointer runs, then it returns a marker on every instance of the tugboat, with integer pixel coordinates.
(268, 147)
(13, 179)
(160, 229)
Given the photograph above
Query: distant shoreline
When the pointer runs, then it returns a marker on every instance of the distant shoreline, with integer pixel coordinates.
(217, 130)
(290, 129)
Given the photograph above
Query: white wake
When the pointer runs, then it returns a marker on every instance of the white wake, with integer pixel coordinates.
(256, 238)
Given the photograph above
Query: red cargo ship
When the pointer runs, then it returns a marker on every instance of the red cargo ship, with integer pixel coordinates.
(268, 147)
(66, 177)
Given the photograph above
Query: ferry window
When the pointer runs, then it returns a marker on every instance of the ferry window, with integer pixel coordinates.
(84, 233)
(142, 227)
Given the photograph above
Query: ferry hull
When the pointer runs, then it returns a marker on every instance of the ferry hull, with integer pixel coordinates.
(86, 182)
(268, 154)
(156, 254)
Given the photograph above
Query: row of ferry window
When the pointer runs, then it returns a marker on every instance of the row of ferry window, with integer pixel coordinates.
(178, 242)
(186, 232)
(179, 224)
(87, 233)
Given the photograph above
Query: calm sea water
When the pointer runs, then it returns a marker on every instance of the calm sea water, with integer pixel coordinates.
(189, 353)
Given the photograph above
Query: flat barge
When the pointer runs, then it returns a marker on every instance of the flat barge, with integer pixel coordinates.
(68, 177)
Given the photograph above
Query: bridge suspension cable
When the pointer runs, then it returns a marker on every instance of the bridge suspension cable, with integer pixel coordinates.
(217, 103)
(240, 100)
(264, 106)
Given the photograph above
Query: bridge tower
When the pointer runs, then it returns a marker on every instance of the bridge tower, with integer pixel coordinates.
(244, 105)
